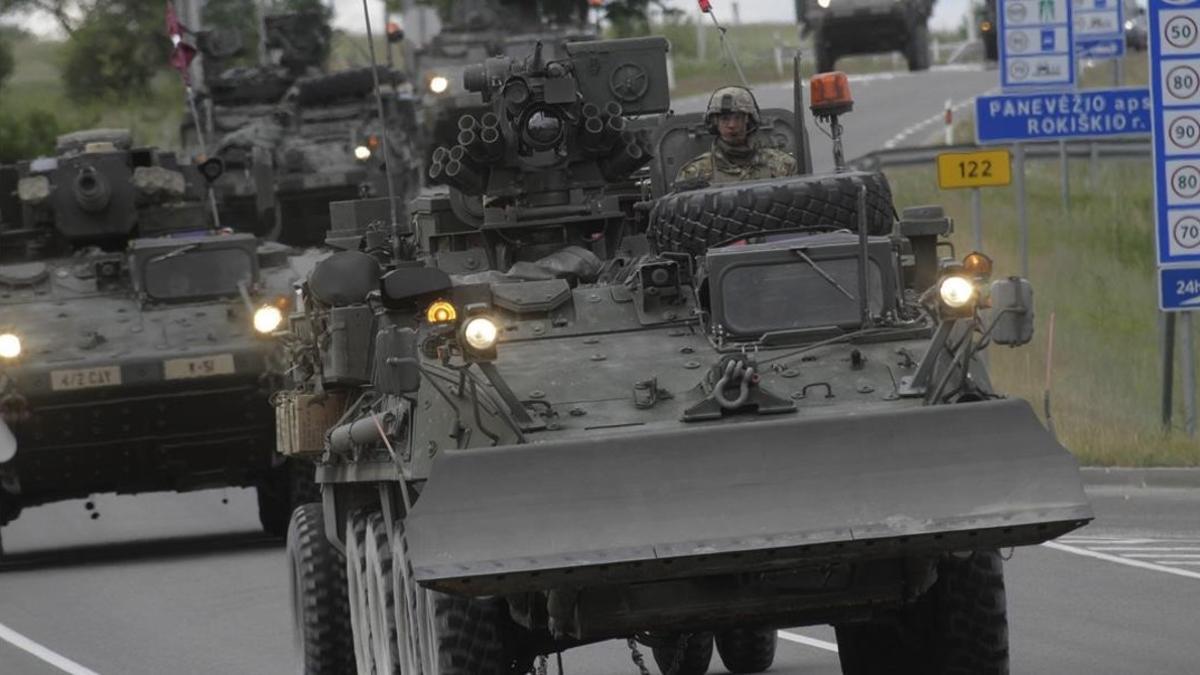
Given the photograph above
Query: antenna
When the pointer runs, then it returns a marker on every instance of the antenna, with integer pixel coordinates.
(387, 148)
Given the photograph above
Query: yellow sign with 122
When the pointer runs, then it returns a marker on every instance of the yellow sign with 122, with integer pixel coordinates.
(983, 168)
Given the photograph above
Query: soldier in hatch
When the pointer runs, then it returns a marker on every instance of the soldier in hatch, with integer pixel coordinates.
(732, 116)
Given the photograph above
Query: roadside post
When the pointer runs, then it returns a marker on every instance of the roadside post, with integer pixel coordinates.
(1059, 116)
(974, 170)
(1175, 92)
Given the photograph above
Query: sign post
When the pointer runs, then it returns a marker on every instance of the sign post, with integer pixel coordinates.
(1175, 91)
(974, 170)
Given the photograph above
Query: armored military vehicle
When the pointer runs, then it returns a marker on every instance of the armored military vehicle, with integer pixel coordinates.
(609, 407)
(475, 31)
(846, 27)
(136, 346)
(295, 138)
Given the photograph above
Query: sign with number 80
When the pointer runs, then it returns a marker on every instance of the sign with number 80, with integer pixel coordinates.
(985, 168)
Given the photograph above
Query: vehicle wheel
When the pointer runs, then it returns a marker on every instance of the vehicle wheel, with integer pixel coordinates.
(697, 654)
(381, 617)
(826, 58)
(747, 650)
(691, 221)
(959, 626)
(321, 617)
(447, 634)
(289, 485)
(917, 50)
(356, 590)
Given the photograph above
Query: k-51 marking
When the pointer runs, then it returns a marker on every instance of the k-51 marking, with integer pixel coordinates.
(985, 168)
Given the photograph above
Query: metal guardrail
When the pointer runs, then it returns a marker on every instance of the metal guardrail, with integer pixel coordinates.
(1120, 147)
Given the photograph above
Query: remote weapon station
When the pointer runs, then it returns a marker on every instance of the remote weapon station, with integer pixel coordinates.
(595, 406)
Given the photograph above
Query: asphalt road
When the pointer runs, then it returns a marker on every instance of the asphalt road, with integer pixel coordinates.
(186, 584)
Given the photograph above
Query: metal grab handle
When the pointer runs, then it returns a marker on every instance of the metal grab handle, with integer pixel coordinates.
(733, 369)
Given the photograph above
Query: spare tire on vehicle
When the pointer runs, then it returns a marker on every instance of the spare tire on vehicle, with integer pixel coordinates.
(692, 221)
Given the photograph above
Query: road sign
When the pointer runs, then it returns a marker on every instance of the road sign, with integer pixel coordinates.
(1175, 89)
(1099, 28)
(1036, 43)
(1178, 288)
(1009, 118)
(984, 168)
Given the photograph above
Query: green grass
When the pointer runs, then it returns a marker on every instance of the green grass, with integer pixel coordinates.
(1093, 270)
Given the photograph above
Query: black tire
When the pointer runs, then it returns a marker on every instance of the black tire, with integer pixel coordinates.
(289, 485)
(691, 221)
(469, 633)
(826, 58)
(747, 650)
(319, 602)
(697, 654)
(959, 627)
(917, 51)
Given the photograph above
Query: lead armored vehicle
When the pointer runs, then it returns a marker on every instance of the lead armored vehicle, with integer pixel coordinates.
(611, 407)
(136, 348)
(847, 27)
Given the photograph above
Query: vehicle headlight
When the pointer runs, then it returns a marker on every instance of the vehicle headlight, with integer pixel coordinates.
(481, 333)
(267, 318)
(362, 153)
(824, 4)
(956, 292)
(438, 84)
(10, 346)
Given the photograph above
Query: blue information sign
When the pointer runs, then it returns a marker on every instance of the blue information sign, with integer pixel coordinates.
(1175, 89)
(1010, 118)
(1036, 43)
(1099, 28)
(1178, 288)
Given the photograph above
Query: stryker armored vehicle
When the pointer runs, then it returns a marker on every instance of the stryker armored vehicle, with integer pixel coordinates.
(847, 27)
(136, 347)
(475, 31)
(294, 138)
(611, 407)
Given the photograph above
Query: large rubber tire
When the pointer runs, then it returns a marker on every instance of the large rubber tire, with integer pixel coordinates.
(319, 602)
(747, 650)
(697, 655)
(691, 221)
(959, 627)
(468, 635)
(917, 51)
(290, 485)
(380, 599)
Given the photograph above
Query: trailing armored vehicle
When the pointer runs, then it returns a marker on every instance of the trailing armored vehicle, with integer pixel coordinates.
(611, 407)
(847, 27)
(136, 346)
(476, 31)
(294, 138)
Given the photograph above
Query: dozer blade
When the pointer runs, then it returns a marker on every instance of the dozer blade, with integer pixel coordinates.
(742, 496)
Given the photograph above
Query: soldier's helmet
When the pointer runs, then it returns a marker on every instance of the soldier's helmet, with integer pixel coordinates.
(732, 99)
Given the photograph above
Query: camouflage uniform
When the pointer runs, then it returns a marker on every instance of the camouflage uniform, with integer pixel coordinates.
(727, 163)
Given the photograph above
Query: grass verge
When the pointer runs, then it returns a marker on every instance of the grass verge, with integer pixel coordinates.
(1093, 270)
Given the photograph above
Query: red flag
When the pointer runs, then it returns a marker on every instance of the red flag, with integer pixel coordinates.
(182, 53)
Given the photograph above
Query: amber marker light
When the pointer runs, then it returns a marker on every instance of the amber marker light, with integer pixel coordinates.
(829, 94)
(978, 265)
(441, 312)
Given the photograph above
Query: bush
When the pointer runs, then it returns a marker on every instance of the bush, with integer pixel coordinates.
(25, 136)
(116, 52)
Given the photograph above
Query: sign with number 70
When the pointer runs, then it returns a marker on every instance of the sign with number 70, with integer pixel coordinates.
(984, 168)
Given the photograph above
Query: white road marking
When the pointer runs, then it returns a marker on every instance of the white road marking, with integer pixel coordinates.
(1181, 556)
(44, 653)
(935, 119)
(1143, 549)
(1121, 560)
(811, 642)
(1179, 562)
